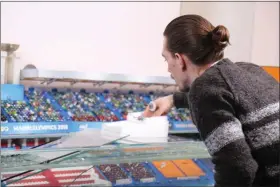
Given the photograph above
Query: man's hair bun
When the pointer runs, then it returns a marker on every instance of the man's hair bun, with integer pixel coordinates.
(220, 37)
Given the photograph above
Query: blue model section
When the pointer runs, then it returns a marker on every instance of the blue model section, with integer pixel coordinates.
(56, 112)
(120, 175)
(147, 174)
(41, 113)
(12, 92)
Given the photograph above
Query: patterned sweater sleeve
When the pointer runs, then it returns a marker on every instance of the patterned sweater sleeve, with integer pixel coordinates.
(181, 100)
(213, 113)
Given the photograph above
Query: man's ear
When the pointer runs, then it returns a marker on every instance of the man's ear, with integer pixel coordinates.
(181, 61)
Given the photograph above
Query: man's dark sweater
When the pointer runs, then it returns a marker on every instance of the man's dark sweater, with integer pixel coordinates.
(235, 107)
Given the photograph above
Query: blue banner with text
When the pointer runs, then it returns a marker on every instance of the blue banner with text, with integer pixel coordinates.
(53, 128)
(46, 127)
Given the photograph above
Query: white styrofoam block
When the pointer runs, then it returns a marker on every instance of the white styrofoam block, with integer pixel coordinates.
(155, 127)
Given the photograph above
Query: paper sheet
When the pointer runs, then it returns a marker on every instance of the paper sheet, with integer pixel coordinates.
(85, 138)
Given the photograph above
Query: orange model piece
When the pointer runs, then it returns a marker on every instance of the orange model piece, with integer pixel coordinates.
(168, 169)
(190, 168)
(273, 71)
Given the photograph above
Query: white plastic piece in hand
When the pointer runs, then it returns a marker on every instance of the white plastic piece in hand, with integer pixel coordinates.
(134, 116)
(152, 106)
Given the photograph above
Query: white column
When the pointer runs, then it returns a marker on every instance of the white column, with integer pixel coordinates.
(14, 66)
(3, 67)
(11, 63)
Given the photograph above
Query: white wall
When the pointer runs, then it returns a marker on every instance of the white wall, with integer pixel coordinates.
(265, 49)
(94, 37)
(253, 26)
(127, 37)
(237, 17)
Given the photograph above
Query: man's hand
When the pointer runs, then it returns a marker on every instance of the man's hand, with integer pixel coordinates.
(163, 106)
